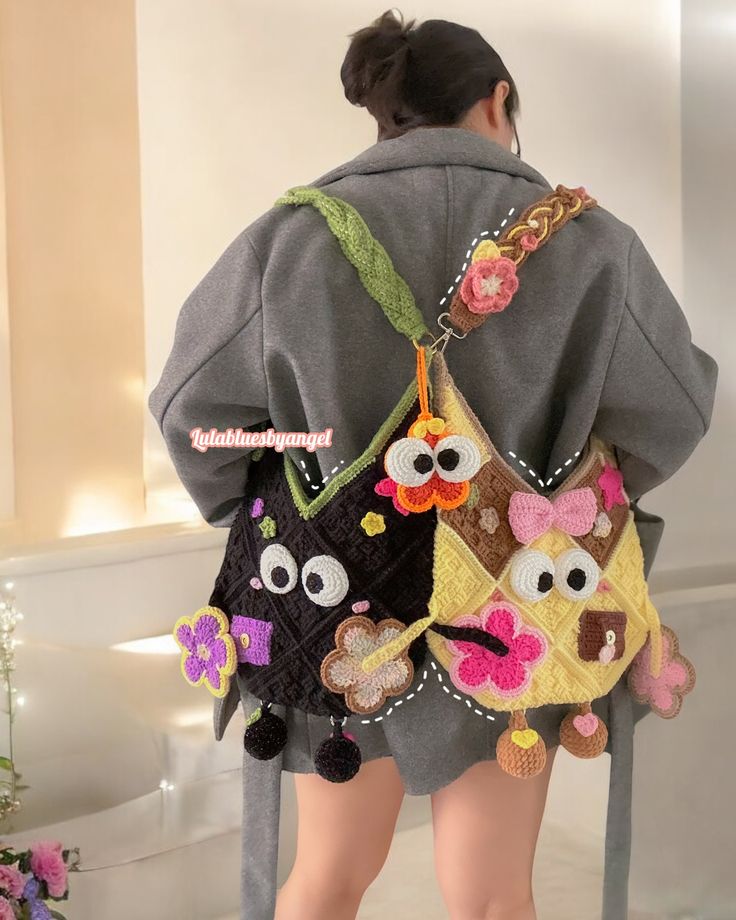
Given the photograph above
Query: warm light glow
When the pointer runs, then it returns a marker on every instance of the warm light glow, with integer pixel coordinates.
(135, 388)
(171, 504)
(166, 786)
(154, 645)
(97, 512)
(21, 701)
(193, 718)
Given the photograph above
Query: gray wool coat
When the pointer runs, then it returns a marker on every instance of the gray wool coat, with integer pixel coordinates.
(281, 332)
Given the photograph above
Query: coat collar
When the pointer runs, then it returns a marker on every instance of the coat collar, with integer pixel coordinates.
(434, 146)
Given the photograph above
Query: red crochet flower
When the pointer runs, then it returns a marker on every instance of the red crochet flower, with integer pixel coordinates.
(489, 285)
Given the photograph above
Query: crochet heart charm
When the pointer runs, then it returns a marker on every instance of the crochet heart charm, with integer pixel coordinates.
(586, 724)
(524, 739)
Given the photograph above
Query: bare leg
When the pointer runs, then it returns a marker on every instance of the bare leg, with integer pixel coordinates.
(344, 835)
(486, 825)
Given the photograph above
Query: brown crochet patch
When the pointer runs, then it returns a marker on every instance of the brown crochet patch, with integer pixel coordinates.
(495, 487)
(600, 548)
(592, 633)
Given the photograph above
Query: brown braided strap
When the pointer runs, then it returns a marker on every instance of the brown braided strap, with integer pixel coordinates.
(530, 232)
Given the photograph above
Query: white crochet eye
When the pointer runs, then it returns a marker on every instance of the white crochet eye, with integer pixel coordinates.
(278, 568)
(325, 581)
(456, 458)
(532, 574)
(410, 462)
(576, 574)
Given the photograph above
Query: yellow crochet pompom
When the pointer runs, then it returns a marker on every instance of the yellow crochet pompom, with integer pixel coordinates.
(373, 523)
(486, 250)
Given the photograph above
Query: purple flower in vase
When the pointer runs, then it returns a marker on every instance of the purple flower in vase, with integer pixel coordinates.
(39, 910)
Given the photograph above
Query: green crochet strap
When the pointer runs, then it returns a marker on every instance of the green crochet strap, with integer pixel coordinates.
(373, 263)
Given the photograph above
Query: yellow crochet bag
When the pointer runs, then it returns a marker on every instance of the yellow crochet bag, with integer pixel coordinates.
(538, 597)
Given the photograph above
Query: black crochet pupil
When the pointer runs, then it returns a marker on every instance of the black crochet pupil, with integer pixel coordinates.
(448, 458)
(576, 579)
(545, 582)
(314, 583)
(279, 576)
(423, 463)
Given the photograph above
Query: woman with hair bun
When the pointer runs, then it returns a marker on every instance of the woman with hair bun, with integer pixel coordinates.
(281, 330)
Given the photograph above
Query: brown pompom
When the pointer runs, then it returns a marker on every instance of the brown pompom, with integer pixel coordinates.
(583, 743)
(520, 751)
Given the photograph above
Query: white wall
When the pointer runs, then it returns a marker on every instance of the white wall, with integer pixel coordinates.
(702, 523)
(239, 102)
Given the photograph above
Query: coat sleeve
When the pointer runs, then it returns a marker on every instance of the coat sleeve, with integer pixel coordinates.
(659, 388)
(214, 378)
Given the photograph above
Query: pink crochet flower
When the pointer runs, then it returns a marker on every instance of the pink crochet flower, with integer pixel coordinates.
(489, 285)
(611, 482)
(676, 677)
(6, 910)
(47, 864)
(475, 668)
(390, 489)
(12, 881)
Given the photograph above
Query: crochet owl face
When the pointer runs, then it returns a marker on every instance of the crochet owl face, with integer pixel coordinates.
(538, 599)
(310, 588)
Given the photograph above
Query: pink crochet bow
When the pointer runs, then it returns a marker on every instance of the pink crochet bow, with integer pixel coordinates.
(531, 515)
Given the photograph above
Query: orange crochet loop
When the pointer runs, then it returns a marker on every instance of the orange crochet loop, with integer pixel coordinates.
(424, 412)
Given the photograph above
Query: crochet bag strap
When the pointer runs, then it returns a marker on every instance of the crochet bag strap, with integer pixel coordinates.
(374, 266)
(490, 282)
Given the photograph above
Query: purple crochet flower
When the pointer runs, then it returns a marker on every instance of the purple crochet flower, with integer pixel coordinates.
(256, 509)
(208, 656)
(39, 910)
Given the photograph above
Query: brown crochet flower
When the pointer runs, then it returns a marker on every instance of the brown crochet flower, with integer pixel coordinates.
(341, 671)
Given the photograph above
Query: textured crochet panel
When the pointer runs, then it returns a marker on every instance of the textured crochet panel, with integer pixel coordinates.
(494, 483)
(495, 488)
(600, 542)
(314, 573)
(461, 584)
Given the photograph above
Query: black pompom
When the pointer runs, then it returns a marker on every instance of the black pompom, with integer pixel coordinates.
(265, 737)
(338, 758)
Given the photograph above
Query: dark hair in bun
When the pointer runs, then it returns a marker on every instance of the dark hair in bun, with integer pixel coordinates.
(408, 77)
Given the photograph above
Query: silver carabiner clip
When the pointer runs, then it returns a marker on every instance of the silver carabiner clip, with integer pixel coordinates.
(448, 332)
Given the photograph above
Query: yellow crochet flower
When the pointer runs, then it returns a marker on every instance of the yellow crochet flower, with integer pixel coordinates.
(423, 427)
(373, 523)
